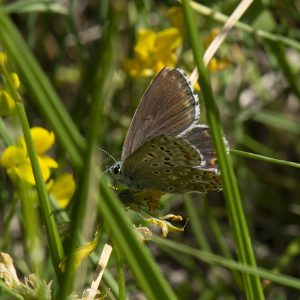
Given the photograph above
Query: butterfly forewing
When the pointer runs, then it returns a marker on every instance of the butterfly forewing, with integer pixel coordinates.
(169, 164)
(168, 107)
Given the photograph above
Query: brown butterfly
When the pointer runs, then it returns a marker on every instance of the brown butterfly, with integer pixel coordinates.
(165, 149)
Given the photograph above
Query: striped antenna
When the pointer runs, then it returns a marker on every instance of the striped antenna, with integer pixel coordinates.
(107, 154)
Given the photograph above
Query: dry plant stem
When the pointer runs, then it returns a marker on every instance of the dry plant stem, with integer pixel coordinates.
(103, 261)
(219, 39)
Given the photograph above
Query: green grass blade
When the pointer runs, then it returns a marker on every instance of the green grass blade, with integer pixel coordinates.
(265, 158)
(89, 177)
(29, 6)
(196, 223)
(54, 242)
(291, 252)
(256, 146)
(219, 238)
(277, 120)
(31, 224)
(230, 264)
(4, 134)
(234, 205)
(138, 257)
(5, 290)
(41, 90)
(215, 228)
(121, 274)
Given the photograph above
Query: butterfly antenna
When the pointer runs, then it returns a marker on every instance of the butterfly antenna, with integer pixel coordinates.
(106, 153)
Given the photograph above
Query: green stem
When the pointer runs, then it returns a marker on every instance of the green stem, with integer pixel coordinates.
(6, 226)
(265, 158)
(54, 242)
(219, 238)
(137, 256)
(4, 289)
(233, 201)
(4, 134)
(55, 245)
(196, 223)
(213, 259)
(33, 244)
(88, 177)
(121, 275)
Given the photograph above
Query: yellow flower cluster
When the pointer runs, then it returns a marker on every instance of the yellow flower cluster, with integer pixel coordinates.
(7, 103)
(153, 51)
(16, 161)
(15, 158)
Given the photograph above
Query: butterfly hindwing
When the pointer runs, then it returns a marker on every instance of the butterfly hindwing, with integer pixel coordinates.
(169, 164)
(199, 137)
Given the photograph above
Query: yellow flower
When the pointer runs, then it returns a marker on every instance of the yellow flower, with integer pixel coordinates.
(42, 139)
(81, 253)
(16, 161)
(153, 51)
(3, 58)
(176, 17)
(218, 64)
(15, 80)
(7, 103)
(62, 188)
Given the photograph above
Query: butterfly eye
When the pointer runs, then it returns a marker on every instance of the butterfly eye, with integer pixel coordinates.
(117, 169)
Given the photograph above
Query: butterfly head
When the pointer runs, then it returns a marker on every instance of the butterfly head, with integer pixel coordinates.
(115, 168)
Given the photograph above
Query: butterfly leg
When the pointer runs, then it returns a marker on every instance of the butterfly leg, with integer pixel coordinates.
(174, 218)
(145, 203)
(165, 226)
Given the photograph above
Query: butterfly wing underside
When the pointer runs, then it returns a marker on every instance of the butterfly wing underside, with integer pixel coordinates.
(199, 137)
(168, 107)
(170, 164)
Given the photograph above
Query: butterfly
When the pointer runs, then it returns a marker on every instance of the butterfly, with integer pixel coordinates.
(165, 149)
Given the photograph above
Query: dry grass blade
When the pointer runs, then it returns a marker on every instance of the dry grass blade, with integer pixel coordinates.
(103, 261)
(216, 43)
